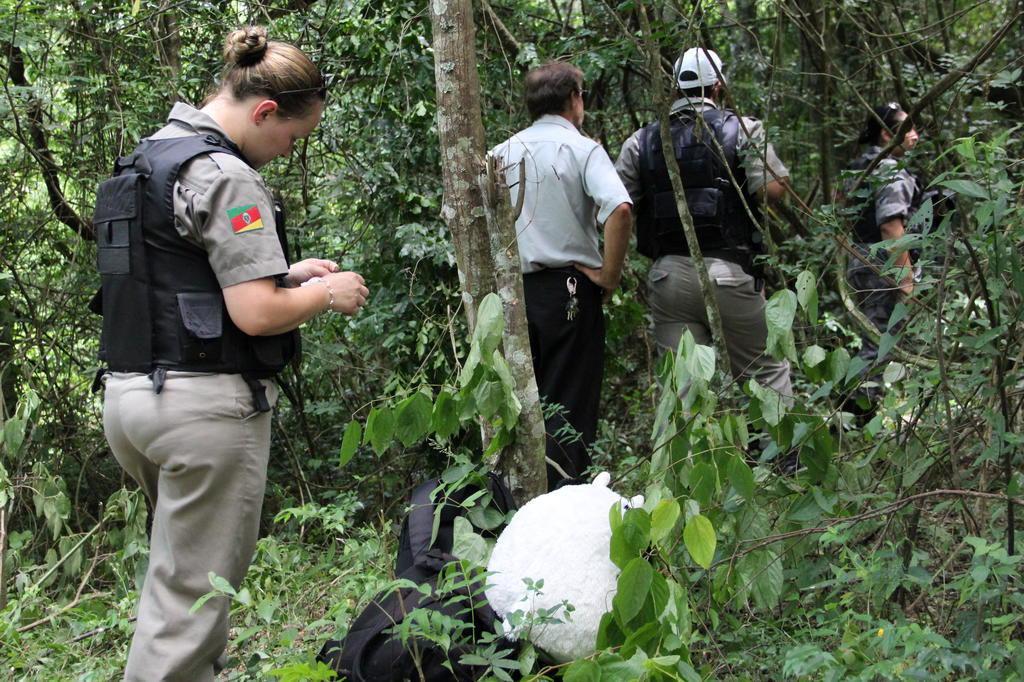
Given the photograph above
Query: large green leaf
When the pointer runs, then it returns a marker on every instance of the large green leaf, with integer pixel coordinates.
(412, 418)
(445, 418)
(779, 315)
(701, 362)
(349, 442)
(633, 587)
(380, 429)
(703, 483)
(967, 188)
(760, 573)
(700, 541)
(490, 325)
(807, 295)
(583, 671)
(631, 537)
(663, 519)
(741, 477)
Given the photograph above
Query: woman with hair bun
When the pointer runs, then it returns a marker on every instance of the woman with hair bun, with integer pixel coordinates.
(200, 308)
(890, 197)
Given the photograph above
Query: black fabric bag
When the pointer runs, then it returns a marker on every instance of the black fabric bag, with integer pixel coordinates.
(371, 652)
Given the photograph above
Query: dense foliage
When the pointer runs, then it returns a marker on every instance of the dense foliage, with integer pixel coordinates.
(888, 553)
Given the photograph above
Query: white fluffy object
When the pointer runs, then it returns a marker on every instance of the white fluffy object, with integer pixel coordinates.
(562, 538)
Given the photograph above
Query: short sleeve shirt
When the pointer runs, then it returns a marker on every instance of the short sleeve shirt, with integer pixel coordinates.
(758, 157)
(569, 187)
(894, 198)
(222, 205)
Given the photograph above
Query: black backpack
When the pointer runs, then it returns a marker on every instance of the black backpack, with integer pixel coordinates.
(373, 650)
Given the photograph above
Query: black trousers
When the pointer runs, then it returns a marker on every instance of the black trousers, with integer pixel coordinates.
(568, 359)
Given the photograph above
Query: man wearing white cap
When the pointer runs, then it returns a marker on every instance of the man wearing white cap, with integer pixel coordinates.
(728, 170)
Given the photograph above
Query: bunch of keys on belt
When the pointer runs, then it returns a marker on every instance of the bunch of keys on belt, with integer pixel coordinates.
(572, 308)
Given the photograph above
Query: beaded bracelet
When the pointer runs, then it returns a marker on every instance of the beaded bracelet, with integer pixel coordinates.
(330, 291)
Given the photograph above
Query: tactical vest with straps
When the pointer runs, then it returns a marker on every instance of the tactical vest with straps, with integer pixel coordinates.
(162, 306)
(867, 230)
(719, 216)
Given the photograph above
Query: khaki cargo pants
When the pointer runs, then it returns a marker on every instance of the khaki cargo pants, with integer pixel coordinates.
(199, 451)
(677, 305)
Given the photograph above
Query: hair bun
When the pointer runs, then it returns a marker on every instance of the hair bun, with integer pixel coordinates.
(245, 46)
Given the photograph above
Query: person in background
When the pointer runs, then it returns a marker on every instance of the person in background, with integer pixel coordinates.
(726, 180)
(200, 308)
(569, 188)
(890, 197)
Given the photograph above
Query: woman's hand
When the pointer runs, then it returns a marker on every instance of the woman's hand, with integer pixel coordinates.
(311, 267)
(350, 292)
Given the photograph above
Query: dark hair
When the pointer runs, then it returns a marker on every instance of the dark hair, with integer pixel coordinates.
(886, 115)
(548, 88)
(697, 90)
(279, 71)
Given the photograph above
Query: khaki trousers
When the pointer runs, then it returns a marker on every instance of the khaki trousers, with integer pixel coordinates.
(199, 451)
(677, 305)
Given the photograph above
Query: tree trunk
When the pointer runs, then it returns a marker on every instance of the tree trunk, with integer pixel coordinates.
(484, 268)
(523, 462)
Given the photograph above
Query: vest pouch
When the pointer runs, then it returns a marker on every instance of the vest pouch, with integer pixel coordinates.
(202, 326)
(705, 205)
(116, 221)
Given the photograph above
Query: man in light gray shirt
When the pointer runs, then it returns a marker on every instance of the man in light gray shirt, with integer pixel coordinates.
(569, 188)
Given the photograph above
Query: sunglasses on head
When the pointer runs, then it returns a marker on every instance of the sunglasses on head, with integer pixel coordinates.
(320, 91)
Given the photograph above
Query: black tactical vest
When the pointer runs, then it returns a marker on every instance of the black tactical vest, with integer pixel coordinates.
(867, 230)
(719, 216)
(161, 304)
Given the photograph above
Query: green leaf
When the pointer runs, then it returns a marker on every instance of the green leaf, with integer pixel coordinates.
(634, 584)
(490, 325)
(467, 544)
(445, 419)
(770, 403)
(583, 671)
(700, 541)
(349, 443)
(760, 573)
(489, 396)
(779, 315)
(136, 6)
(413, 418)
(814, 356)
(14, 435)
(966, 187)
(807, 295)
(703, 483)
(741, 477)
(885, 344)
(663, 519)
(380, 429)
(894, 371)
(701, 362)
(631, 537)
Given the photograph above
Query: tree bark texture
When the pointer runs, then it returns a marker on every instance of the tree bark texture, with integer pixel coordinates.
(461, 131)
(476, 210)
(662, 103)
(523, 462)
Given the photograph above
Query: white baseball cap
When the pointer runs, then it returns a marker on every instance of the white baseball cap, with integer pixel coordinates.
(694, 69)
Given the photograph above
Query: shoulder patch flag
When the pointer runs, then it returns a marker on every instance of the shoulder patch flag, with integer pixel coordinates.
(245, 218)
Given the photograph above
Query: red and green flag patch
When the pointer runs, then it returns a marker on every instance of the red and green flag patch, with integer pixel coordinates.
(245, 218)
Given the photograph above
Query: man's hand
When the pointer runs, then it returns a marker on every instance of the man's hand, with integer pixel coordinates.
(608, 281)
(350, 292)
(617, 229)
(311, 267)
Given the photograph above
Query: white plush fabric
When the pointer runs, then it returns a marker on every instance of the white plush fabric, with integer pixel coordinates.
(562, 538)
